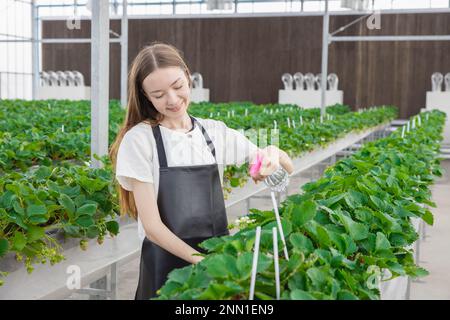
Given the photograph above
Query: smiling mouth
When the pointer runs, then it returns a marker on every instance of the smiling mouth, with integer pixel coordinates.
(175, 109)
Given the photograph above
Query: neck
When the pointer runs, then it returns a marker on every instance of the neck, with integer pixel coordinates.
(179, 123)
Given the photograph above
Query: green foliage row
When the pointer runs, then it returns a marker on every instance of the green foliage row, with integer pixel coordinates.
(245, 116)
(344, 231)
(44, 190)
(44, 132)
(307, 137)
(78, 200)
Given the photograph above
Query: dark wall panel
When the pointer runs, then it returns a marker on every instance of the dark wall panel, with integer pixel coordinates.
(78, 56)
(392, 72)
(242, 59)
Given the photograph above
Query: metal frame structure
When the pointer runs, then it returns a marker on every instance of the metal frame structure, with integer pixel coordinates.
(16, 32)
(36, 40)
(329, 38)
(264, 14)
(35, 65)
(123, 40)
(124, 55)
(99, 80)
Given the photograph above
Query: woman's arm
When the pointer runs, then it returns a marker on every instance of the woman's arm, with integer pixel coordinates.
(155, 229)
(286, 161)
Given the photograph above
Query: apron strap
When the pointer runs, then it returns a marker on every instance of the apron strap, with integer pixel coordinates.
(160, 145)
(207, 138)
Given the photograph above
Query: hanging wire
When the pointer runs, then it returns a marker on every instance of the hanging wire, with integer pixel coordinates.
(24, 47)
(15, 52)
(7, 54)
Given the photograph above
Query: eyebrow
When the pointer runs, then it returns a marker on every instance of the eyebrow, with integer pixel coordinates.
(170, 85)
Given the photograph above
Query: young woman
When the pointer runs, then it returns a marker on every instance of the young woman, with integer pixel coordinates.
(169, 166)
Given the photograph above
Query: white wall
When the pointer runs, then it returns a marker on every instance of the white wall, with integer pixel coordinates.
(15, 58)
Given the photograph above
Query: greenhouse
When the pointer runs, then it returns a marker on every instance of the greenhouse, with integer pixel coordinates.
(225, 150)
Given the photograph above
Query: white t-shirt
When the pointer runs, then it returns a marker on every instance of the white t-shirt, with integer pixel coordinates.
(138, 157)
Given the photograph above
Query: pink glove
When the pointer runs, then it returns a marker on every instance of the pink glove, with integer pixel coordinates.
(254, 169)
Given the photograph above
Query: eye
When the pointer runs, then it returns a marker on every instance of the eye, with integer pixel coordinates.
(179, 87)
(159, 97)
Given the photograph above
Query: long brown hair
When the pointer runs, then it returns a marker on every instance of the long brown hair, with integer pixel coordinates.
(139, 107)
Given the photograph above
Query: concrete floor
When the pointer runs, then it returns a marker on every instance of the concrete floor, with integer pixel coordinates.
(434, 248)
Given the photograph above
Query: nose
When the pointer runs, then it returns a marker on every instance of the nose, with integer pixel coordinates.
(171, 98)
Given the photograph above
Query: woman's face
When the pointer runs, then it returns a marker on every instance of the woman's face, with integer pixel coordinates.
(168, 90)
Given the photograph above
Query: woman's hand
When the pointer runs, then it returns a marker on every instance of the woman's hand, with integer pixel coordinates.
(197, 259)
(272, 158)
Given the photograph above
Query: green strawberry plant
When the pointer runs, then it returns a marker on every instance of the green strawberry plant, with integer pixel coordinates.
(76, 199)
(54, 131)
(343, 231)
(302, 139)
(60, 130)
(46, 186)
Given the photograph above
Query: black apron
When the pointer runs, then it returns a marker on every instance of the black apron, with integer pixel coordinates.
(191, 205)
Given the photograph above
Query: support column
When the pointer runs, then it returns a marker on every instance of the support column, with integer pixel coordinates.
(35, 49)
(325, 35)
(124, 56)
(99, 80)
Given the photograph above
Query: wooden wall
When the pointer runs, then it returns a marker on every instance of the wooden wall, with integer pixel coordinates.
(242, 59)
